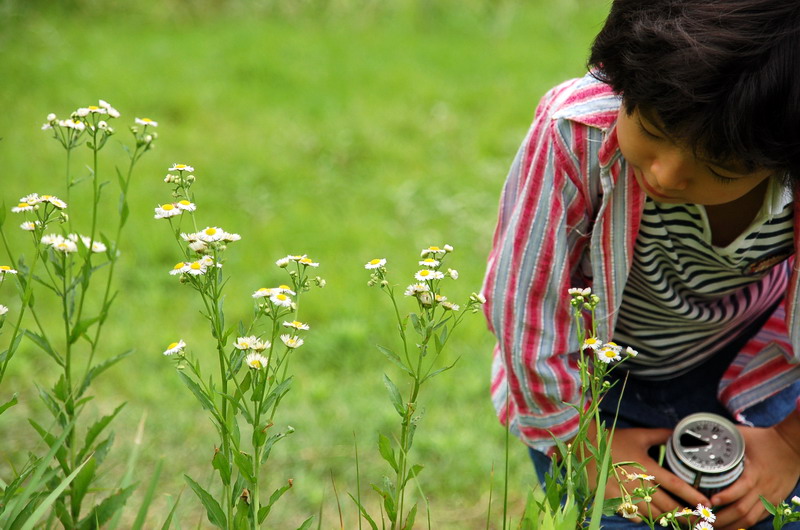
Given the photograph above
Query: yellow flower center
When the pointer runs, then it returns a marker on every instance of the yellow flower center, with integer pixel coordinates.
(167, 207)
(305, 260)
(434, 248)
(148, 120)
(610, 353)
(282, 297)
(255, 363)
(180, 166)
(23, 205)
(297, 324)
(424, 273)
(93, 107)
(184, 202)
(210, 231)
(173, 345)
(196, 265)
(374, 262)
(5, 268)
(179, 266)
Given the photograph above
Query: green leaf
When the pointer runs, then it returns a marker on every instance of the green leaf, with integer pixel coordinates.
(99, 368)
(95, 430)
(394, 395)
(45, 346)
(306, 524)
(413, 472)
(386, 451)
(9, 353)
(412, 514)
(416, 323)
(439, 371)
(60, 454)
(50, 499)
(277, 494)
(245, 465)
(201, 396)
(220, 462)
(81, 327)
(81, 485)
(213, 510)
(364, 513)
(104, 511)
(8, 404)
(141, 515)
(392, 356)
(168, 522)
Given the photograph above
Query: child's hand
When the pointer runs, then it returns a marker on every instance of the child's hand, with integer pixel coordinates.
(771, 469)
(632, 445)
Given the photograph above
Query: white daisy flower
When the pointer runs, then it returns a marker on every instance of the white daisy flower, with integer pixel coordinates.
(593, 343)
(630, 352)
(448, 248)
(307, 262)
(686, 512)
(185, 205)
(33, 198)
(706, 513)
(639, 476)
(5, 269)
(55, 201)
(103, 126)
(285, 289)
(3, 310)
(228, 236)
(450, 306)
(452, 273)
(436, 251)
(376, 263)
(283, 262)
(211, 234)
(51, 117)
(430, 263)
(197, 268)
(207, 261)
(111, 110)
(607, 354)
(296, 324)
(477, 297)
(51, 239)
(179, 268)
(440, 298)
(256, 361)
(281, 299)
(97, 246)
(67, 246)
(181, 167)
(245, 343)
(427, 275)
(416, 288)
(628, 510)
(425, 299)
(167, 210)
(292, 341)
(175, 347)
(263, 292)
(796, 500)
(146, 122)
(91, 109)
(23, 207)
(198, 246)
(703, 525)
(30, 225)
(73, 123)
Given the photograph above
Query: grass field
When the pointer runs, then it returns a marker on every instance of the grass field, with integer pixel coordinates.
(347, 130)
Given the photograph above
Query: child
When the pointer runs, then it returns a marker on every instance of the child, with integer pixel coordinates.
(664, 180)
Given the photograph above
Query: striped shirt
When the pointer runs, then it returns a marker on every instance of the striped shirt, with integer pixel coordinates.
(570, 214)
(684, 296)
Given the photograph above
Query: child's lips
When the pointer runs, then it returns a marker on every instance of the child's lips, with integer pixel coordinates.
(650, 190)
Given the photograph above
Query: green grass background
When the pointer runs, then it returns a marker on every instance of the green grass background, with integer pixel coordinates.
(344, 129)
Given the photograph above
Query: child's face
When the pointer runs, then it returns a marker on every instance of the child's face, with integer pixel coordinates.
(672, 173)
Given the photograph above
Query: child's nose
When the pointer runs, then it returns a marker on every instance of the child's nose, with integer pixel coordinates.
(669, 172)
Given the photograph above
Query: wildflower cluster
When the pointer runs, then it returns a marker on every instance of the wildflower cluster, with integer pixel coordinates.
(253, 366)
(63, 265)
(783, 512)
(700, 518)
(434, 320)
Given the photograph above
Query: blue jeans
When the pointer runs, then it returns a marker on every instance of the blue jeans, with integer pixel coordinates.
(661, 404)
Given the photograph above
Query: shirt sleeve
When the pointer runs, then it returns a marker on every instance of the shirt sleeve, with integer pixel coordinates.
(542, 233)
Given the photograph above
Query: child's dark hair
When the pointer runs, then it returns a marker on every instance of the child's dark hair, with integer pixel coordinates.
(722, 75)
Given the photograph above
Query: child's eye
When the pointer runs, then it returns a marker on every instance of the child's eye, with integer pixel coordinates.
(721, 178)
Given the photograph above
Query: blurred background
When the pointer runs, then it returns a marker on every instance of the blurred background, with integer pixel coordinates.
(343, 129)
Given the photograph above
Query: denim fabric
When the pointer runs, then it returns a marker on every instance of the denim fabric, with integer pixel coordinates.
(662, 404)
